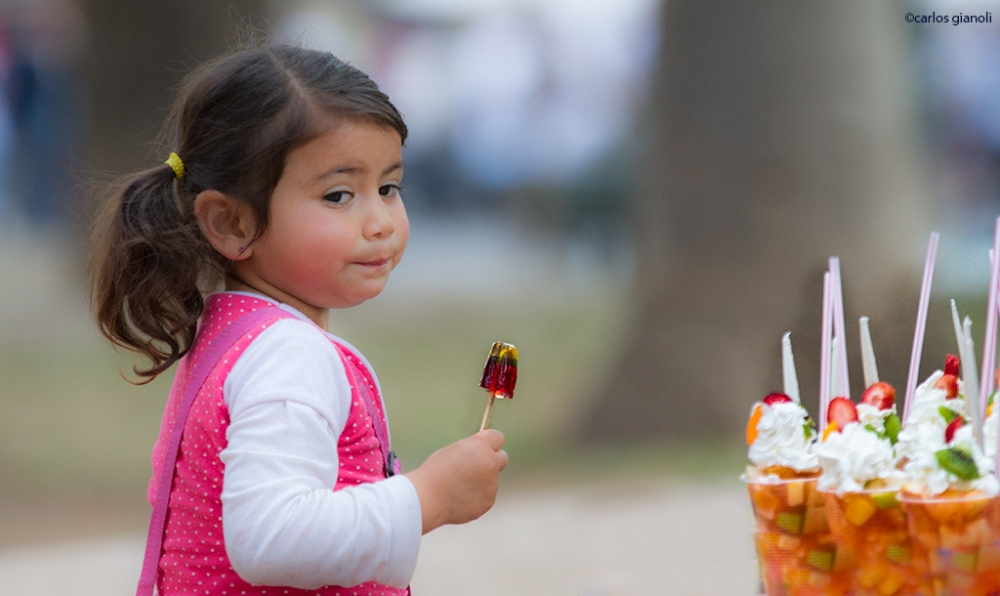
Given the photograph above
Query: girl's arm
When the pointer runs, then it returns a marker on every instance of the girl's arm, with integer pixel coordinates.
(288, 400)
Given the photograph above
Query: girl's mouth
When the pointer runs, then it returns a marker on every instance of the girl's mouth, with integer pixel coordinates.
(375, 264)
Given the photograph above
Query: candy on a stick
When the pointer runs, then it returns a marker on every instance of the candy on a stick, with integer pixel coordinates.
(499, 376)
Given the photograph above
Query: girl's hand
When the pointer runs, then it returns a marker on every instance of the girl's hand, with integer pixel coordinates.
(459, 483)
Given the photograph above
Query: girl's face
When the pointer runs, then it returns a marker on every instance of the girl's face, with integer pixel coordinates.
(337, 225)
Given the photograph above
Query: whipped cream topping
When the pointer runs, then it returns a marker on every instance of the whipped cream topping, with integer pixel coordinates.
(782, 438)
(924, 475)
(925, 426)
(990, 432)
(855, 455)
(872, 416)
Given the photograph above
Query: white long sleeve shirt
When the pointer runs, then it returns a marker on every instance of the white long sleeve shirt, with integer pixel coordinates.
(288, 399)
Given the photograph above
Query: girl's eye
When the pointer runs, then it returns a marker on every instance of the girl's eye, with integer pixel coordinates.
(389, 190)
(337, 197)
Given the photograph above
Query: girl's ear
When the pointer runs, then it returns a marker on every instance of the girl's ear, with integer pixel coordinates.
(226, 222)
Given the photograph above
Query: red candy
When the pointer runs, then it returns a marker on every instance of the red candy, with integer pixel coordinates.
(500, 371)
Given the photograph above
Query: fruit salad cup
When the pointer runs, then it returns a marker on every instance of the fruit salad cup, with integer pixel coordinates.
(869, 528)
(796, 553)
(957, 543)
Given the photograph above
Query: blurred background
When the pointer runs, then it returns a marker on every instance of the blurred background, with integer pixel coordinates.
(640, 194)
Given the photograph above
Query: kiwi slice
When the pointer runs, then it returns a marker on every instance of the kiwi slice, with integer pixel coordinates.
(892, 427)
(958, 461)
(947, 413)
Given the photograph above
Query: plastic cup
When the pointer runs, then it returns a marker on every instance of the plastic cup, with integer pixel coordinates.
(956, 540)
(797, 556)
(870, 530)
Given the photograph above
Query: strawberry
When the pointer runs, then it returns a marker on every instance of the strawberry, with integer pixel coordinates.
(953, 426)
(842, 412)
(776, 398)
(950, 384)
(951, 365)
(880, 394)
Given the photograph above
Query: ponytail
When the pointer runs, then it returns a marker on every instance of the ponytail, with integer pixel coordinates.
(148, 257)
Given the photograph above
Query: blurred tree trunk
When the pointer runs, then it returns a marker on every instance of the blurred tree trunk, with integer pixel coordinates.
(139, 51)
(782, 135)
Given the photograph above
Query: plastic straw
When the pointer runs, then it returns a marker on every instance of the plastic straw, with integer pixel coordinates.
(990, 334)
(788, 368)
(867, 354)
(837, 295)
(835, 389)
(918, 332)
(968, 358)
(824, 354)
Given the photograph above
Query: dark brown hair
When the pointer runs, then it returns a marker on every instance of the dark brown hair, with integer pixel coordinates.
(233, 124)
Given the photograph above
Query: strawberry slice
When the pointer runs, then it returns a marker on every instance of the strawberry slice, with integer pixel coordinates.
(842, 412)
(880, 394)
(776, 398)
(952, 365)
(953, 426)
(950, 384)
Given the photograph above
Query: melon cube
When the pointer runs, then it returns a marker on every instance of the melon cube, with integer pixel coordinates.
(891, 583)
(964, 561)
(815, 521)
(858, 509)
(796, 494)
(871, 575)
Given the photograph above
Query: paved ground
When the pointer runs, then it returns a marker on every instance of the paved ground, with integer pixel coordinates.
(585, 541)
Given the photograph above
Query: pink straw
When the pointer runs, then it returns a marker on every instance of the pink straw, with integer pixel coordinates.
(837, 294)
(824, 354)
(990, 335)
(918, 333)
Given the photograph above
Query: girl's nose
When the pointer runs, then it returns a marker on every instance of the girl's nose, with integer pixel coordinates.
(378, 221)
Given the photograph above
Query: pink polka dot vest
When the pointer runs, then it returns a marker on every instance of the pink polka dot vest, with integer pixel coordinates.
(193, 559)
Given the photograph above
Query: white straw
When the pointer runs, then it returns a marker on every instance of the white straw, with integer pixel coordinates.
(788, 368)
(824, 353)
(968, 358)
(918, 332)
(837, 294)
(868, 354)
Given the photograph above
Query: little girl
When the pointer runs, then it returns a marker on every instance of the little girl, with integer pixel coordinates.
(272, 472)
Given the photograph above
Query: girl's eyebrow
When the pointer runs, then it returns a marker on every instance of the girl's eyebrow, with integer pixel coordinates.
(351, 169)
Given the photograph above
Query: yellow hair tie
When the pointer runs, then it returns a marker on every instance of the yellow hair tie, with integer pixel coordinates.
(175, 163)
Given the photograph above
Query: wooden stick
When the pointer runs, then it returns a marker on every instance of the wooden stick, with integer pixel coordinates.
(489, 410)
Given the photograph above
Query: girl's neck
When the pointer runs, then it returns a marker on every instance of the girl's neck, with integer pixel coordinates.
(320, 316)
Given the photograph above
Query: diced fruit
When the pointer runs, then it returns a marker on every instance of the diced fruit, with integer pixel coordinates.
(842, 412)
(892, 427)
(788, 543)
(952, 365)
(789, 522)
(891, 583)
(820, 559)
(870, 575)
(989, 557)
(958, 461)
(885, 500)
(898, 554)
(796, 494)
(953, 426)
(964, 561)
(858, 509)
(950, 384)
(815, 521)
(755, 415)
(948, 414)
(830, 428)
(776, 398)
(880, 394)
(765, 502)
